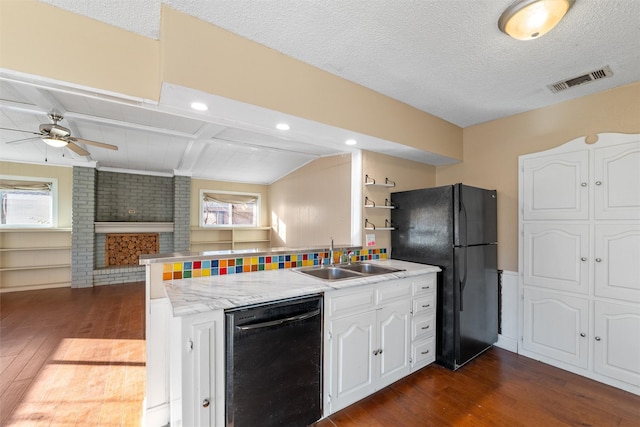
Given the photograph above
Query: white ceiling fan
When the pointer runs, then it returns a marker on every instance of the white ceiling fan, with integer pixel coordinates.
(58, 136)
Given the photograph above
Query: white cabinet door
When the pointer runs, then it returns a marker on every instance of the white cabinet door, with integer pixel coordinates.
(617, 341)
(557, 256)
(353, 343)
(556, 186)
(393, 342)
(617, 182)
(556, 326)
(203, 370)
(617, 261)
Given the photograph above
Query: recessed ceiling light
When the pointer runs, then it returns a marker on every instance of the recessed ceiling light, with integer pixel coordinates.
(283, 126)
(351, 142)
(199, 106)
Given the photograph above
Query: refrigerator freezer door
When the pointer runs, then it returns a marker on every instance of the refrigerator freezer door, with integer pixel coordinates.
(476, 277)
(475, 211)
(424, 225)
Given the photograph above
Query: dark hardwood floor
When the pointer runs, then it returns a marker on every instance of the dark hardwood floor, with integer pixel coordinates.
(77, 357)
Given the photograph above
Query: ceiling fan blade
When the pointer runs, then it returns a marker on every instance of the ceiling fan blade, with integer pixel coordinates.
(23, 131)
(94, 143)
(19, 141)
(78, 150)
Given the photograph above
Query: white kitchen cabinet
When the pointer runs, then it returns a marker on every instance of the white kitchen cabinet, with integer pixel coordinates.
(578, 258)
(557, 326)
(616, 179)
(616, 343)
(423, 321)
(197, 370)
(557, 187)
(617, 261)
(371, 334)
(556, 256)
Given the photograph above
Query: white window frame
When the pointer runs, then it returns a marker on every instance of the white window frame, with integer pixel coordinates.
(240, 193)
(54, 200)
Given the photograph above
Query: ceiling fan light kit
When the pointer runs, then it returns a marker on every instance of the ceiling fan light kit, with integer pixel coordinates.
(531, 19)
(58, 136)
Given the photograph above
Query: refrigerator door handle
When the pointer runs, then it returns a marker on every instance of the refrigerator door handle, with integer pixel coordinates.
(463, 278)
(462, 225)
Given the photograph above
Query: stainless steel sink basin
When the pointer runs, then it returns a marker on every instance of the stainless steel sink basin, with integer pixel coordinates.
(369, 269)
(346, 271)
(329, 273)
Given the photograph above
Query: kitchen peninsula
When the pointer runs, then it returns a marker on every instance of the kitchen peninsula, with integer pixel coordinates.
(187, 295)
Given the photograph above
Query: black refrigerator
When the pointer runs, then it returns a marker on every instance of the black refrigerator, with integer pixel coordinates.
(455, 228)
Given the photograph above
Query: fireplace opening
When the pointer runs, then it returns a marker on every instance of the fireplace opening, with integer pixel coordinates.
(125, 249)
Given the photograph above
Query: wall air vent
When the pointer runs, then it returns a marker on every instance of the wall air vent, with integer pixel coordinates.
(580, 80)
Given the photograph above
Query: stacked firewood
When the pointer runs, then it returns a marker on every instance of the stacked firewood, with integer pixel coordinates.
(125, 249)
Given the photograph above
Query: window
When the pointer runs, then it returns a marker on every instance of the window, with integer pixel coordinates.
(27, 202)
(225, 209)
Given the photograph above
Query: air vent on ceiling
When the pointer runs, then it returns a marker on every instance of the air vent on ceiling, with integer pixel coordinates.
(580, 80)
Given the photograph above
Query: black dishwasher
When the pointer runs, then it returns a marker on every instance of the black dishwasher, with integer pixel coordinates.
(274, 363)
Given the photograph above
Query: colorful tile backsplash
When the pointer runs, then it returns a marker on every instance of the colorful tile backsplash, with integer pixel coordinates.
(236, 265)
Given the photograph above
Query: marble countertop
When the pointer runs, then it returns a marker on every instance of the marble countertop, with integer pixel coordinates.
(204, 294)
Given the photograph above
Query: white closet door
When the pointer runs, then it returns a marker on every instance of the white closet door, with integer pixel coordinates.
(617, 346)
(556, 186)
(556, 256)
(617, 261)
(617, 182)
(557, 326)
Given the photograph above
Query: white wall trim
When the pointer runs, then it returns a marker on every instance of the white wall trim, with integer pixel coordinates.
(508, 339)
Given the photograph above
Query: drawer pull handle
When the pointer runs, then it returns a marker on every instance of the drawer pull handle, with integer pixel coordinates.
(425, 327)
(425, 352)
(426, 306)
(426, 287)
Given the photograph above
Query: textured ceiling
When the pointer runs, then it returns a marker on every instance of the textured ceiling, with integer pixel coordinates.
(445, 57)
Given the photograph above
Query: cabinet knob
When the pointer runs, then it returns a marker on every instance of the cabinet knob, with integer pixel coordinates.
(380, 351)
(582, 334)
(598, 259)
(583, 184)
(598, 182)
(597, 338)
(583, 259)
(205, 403)
(375, 352)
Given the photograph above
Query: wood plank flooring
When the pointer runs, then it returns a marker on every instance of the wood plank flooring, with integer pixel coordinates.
(77, 357)
(72, 356)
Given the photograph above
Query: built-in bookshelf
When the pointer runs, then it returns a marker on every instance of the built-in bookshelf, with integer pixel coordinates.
(232, 238)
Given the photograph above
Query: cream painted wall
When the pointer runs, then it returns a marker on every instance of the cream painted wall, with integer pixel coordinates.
(407, 175)
(47, 41)
(491, 149)
(65, 184)
(313, 203)
(205, 184)
(201, 56)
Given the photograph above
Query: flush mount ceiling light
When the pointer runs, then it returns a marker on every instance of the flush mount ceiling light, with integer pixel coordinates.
(199, 106)
(351, 142)
(530, 19)
(283, 126)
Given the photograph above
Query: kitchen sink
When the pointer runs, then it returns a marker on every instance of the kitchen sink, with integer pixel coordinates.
(369, 269)
(329, 273)
(346, 271)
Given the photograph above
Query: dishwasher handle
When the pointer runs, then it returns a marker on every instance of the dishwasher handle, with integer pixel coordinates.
(279, 321)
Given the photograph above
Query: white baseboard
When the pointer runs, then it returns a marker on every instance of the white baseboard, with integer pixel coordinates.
(507, 343)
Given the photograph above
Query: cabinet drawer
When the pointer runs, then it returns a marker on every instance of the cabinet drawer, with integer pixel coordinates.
(423, 352)
(352, 302)
(424, 304)
(423, 327)
(425, 285)
(396, 291)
